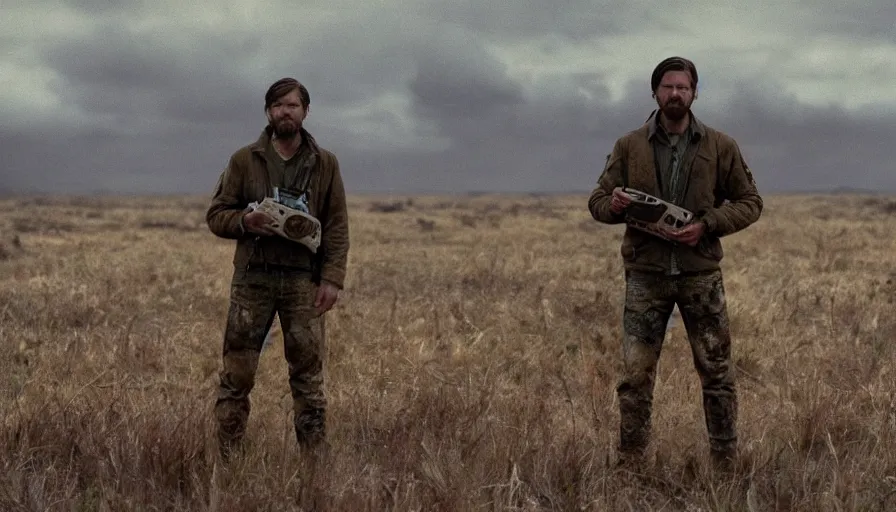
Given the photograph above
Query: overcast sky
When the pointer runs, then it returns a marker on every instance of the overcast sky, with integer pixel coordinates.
(431, 95)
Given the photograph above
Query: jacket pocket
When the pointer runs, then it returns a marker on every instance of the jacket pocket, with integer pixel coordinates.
(710, 247)
(634, 245)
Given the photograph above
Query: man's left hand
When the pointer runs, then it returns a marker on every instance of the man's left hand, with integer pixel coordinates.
(690, 234)
(327, 293)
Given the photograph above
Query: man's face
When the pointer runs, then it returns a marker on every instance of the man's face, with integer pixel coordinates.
(286, 114)
(674, 95)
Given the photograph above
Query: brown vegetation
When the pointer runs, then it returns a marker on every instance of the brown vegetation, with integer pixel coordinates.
(471, 366)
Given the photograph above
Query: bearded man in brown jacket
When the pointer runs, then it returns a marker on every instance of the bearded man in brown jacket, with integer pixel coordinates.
(677, 158)
(275, 275)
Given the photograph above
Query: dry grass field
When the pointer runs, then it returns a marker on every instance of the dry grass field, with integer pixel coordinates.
(471, 363)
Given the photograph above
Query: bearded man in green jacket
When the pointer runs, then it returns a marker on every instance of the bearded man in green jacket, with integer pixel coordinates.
(679, 159)
(277, 275)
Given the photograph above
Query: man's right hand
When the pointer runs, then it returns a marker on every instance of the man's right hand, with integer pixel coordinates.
(620, 201)
(258, 223)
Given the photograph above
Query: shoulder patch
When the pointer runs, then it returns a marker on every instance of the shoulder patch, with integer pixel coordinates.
(748, 172)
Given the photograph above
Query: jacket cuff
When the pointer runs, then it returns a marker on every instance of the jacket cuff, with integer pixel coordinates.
(334, 276)
(709, 218)
(242, 223)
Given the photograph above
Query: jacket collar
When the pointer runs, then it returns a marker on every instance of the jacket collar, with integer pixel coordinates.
(698, 129)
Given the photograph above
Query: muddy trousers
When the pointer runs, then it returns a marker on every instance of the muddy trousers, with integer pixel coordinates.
(256, 296)
(649, 301)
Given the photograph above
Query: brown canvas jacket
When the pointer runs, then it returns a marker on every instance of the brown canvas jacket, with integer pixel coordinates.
(246, 179)
(720, 191)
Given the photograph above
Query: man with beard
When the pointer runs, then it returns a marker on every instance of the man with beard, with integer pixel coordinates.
(676, 157)
(274, 275)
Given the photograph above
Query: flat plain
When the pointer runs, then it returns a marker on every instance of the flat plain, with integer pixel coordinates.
(471, 363)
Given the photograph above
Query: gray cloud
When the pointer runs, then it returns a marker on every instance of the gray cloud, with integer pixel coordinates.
(462, 83)
(101, 7)
(572, 19)
(433, 96)
(794, 147)
(871, 20)
(144, 81)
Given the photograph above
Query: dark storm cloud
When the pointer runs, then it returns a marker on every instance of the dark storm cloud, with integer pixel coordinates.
(86, 161)
(544, 146)
(411, 98)
(460, 85)
(793, 147)
(140, 77)
(213, 76)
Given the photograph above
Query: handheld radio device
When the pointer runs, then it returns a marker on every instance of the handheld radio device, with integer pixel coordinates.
(653, 215)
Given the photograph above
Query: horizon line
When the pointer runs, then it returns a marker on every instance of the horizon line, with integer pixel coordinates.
(839, 190)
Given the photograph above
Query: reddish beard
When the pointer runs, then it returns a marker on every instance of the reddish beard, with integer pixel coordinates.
(285, 127)
(675, 109)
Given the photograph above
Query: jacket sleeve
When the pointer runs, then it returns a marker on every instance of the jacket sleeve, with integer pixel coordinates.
(610, 178)
(334, 230)
(742, 204)
(225, 214)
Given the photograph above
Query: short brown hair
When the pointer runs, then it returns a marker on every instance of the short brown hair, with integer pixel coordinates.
(673, 64)
(283, 87)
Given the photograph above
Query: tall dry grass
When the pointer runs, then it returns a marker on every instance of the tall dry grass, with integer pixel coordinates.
(471, 366)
